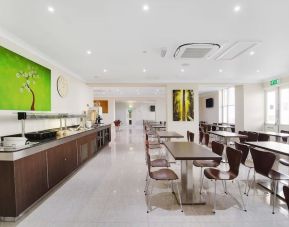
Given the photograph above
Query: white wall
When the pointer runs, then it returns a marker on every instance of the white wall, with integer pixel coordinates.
(182, 126)
(108, 118)
(209, 115)
(76, 101)
(121, 112)
(161, 107)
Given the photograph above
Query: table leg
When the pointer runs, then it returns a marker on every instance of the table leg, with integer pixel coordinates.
(190, 195)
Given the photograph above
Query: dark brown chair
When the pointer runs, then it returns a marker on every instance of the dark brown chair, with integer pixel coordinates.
(188, 136)
(263, 163)
(286, 194)
(245, 133)
(245, 151)
(160, 175)
(284, 139)
(252, 137)
(207, 139)
(201, 137)
(214, 128)
(234, 159)
(217, 148)
(209, 128)
(263, 137)
(191, 137)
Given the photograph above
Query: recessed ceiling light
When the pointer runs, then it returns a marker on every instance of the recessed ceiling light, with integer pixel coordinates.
(50, 9)
(105, 70)
(182, 70)
(220, 70)
(237, 8)
(252, 53)
(88, 52)
(145, 7)
(144, 70)
(258, 70)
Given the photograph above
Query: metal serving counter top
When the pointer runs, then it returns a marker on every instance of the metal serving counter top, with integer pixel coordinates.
(46, 144)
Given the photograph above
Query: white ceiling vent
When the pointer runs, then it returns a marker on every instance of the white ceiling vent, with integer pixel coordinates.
(196, 50)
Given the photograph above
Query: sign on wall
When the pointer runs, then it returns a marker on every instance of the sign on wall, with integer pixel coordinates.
(24, 84)
(183, 105)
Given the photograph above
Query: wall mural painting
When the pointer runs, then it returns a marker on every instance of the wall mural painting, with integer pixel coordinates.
(183, 105)
(24, 84)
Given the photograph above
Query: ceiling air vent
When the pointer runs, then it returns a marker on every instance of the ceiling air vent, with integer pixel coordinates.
(196, 50)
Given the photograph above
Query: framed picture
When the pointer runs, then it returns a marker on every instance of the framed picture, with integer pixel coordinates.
(103, 104)
(24, 84)
(183, 105)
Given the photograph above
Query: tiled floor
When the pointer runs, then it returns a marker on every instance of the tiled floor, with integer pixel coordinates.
(108, 191)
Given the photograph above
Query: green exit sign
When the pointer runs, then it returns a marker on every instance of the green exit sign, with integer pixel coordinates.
(274, 82)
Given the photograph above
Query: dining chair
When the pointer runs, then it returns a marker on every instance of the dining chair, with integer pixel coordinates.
(284, 139)
(247, 163)
(191, 137)
(245, 133)
(188, 136)
(217, 148)
(160, 175)
(201, 137)
(252, 137)
(234, 159)
(263, 163)
(286, 194)
(263, 137)
(207, 139)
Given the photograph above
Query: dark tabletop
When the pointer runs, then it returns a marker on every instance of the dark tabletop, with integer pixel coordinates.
(166, 134)
(227, 134)
(277, 134)
(190, 151)
(281, 148)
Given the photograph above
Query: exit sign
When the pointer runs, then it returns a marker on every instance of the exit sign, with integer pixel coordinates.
(274, 82)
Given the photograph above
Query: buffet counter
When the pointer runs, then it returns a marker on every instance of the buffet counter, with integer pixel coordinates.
(28, 174)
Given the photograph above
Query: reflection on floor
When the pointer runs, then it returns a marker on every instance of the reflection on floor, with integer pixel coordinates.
(108, 191)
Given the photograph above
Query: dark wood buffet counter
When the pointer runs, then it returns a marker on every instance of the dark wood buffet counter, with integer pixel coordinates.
(28, 174)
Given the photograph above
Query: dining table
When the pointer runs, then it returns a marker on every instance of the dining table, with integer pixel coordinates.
(168, 135)
(186, 152)
(277, 135)
(278, 148)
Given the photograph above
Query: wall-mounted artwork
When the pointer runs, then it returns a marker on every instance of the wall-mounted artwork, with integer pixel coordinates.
(24, 84)
(103, 104)
(183, 105)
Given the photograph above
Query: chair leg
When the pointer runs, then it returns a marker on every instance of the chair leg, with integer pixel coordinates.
(180, 198)
(149, 208)
(202, 182)
(243, 204)
(274, 198)
(247, 184)
(224, 186)
(201, 178)
(146, 185)
(214, 210)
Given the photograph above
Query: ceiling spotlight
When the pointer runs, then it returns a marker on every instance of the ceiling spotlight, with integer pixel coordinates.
(252, 53)
(89, 52)
(258, 70)
(237, 8)
(50, 9)
(105, 70)
(145, 7)
(220, 70)
(144, 70)
(182, 70)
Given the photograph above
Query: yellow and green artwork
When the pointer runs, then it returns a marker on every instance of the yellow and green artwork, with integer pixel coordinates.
(183, 105)
(24, 84)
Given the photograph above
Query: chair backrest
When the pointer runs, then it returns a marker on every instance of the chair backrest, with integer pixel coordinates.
(263, 161)
(209, 127)
(252, 136)
(286, 194)
(217, 148)
(234, 159)
(243, 140)
(207, 138)
(188, 136)
(245, 151)
(284, 138)
(201, 137)
(191, 137)
(214, 128)
(263, 137)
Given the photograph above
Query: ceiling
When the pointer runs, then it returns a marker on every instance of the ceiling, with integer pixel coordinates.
(124, 39)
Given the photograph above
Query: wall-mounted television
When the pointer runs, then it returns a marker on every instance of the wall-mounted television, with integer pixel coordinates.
(153, 108)
(210, 103)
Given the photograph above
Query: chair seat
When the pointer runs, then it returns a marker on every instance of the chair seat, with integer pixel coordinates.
(160, 163)
(274, 175)
(164, 174)
(249, 164)
(216, 174)
(284, 162)
(206, 163)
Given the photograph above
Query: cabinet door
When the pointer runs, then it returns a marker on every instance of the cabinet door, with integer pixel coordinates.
(70, 157)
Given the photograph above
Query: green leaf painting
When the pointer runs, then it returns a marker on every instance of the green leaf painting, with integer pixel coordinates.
(24, 84)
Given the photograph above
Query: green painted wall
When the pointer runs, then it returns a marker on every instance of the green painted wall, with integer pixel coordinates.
(24, 84)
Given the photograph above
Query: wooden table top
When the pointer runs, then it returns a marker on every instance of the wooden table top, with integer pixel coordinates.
(168, 134)
(276, 134)
(281, 148)
(227, 134)
(190, 151)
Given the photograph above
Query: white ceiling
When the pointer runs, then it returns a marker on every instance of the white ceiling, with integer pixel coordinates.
(117, 32)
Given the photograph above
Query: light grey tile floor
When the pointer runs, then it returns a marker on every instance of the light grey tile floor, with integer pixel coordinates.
(108, 191)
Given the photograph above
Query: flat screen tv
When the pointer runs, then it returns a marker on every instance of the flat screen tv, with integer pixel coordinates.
(210, 103)
(152, 108)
